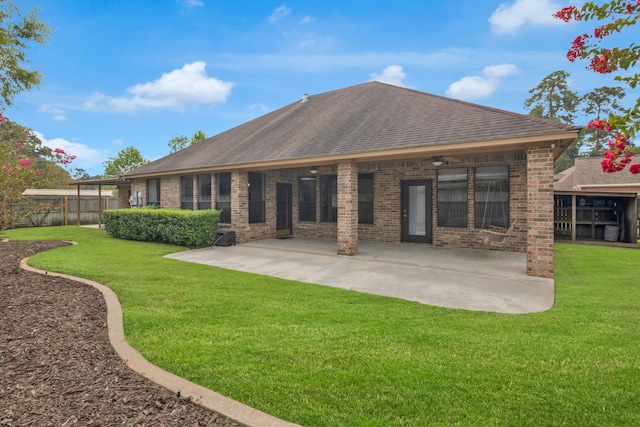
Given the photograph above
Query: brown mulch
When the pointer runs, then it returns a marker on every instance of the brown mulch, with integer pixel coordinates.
(57, 367)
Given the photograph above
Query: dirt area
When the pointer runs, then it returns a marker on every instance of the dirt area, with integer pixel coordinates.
(57, 367)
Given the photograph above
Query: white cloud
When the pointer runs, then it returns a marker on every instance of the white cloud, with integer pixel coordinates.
(57, 113)
(509, 17)
(117, 142)
(188, 85)
(86, 157)
(481, 86)
(393, 74)
(279, 13)
(308, 20)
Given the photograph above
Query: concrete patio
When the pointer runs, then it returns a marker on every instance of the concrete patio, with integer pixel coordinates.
(481, 280)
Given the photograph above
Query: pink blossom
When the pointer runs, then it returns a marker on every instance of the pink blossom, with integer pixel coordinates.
(25, 163)
(566, 13)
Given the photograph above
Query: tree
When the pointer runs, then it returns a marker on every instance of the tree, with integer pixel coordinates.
(198, 136)
(25, 164)
(179, 142)
(127, 159)
(598, 103)
(552, 99)
(16, 32)
(620, 15)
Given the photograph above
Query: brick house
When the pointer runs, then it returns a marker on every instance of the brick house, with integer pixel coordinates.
(374, 162)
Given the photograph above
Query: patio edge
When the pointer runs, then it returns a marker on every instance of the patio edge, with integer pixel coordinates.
(199, 395)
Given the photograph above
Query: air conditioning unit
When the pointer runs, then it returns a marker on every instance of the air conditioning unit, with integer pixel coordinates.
(225, 238)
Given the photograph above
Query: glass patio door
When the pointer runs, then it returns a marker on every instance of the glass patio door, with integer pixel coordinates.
(416, 211)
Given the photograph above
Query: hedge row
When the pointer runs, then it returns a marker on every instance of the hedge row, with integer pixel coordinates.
(175, 226)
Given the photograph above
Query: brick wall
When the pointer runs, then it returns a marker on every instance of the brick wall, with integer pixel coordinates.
(540, 212)
(530, 204)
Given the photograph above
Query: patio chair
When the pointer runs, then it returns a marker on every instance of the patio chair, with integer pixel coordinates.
(497, 236)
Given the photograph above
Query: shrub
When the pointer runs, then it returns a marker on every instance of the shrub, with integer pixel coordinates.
(174, 226)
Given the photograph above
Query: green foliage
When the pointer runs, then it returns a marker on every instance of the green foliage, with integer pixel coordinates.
(618, 16)
(127, 159)
(320, 356)
(26, 163)
(174, 226)
(598, 103)
(17, 31)
(198, 137)
(552, 98)
(179, 142)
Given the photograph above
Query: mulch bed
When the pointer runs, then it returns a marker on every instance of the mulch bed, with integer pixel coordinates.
(57, 367)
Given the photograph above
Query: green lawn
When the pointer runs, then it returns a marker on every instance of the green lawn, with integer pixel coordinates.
(320, 356)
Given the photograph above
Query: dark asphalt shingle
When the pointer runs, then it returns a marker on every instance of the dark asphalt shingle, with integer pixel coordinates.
(369, 117)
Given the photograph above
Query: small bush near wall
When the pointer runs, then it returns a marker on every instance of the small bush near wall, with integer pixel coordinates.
(178, 227)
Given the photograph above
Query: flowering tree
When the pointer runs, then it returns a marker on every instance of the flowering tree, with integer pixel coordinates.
(619, 15)
(23, 163)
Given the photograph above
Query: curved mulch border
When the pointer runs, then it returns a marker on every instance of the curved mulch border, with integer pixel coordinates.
(60, 369)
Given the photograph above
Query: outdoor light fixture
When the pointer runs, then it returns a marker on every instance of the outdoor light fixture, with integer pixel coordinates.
(437, 161)
(314, 170)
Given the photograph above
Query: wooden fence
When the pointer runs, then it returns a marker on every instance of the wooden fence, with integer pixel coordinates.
(67, 213)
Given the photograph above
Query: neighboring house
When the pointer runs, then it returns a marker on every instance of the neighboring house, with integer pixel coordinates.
(594, 205)
(587, 175)
(374, 162)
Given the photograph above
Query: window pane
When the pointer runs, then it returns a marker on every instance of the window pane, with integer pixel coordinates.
(256, 198)
(365, 198)
(307, 202)
(204, 191)
(153, 192)
(329, 198)
(186, 192)
(223, 196)
(492, 196)
(452, 198)
(417, 210)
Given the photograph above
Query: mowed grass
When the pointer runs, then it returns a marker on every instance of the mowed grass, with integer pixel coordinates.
(320, 356)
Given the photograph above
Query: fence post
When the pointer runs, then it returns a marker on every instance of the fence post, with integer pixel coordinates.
(65, 220)
(78, 213)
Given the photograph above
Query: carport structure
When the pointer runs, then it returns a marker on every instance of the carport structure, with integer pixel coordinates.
(124, 190)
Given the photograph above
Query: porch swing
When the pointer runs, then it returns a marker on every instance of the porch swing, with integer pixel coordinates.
(494, 235)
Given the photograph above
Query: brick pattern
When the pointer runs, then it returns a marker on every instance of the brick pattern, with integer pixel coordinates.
(347, 209)
(124, 191)
(540, 212)
(139, 185)
(170, 192)
(530, 204)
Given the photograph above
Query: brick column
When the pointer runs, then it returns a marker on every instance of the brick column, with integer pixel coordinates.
(240, 205)
(540, 212)
(196, 190)
(347, 209)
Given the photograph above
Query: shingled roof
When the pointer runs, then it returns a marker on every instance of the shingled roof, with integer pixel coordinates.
(589, 173)
(355, 121)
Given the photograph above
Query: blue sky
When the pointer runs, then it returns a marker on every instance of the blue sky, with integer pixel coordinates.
(136, 73)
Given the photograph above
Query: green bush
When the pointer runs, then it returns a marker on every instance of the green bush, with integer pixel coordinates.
(174, 226)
